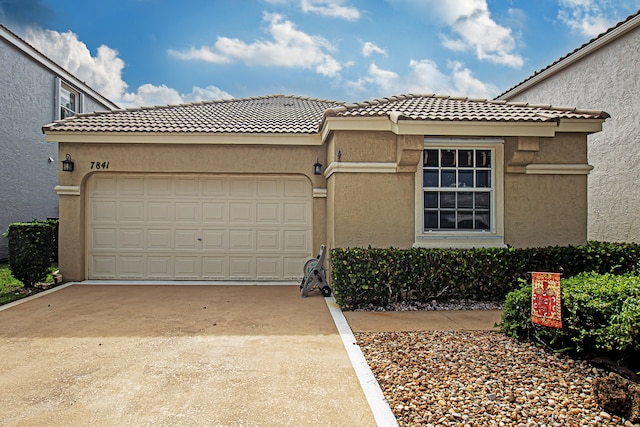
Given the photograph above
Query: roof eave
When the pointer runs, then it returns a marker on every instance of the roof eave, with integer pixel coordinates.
(459, 127)
(93, 137)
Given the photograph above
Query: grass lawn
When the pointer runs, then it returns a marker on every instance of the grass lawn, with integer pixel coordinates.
(12, 289)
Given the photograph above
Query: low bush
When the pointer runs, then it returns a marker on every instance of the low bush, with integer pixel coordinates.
(31, 250)
(382, 277)
(600, 317)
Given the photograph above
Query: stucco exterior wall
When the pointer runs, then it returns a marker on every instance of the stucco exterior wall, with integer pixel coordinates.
(26, 103)
(179, 158)
(607, 79)
(28, 176)
(545, 210)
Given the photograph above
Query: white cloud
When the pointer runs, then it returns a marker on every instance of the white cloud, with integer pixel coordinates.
(103, 72)
(473, 28)
(330, 8)
(588, 17)
(423, 76)
(369, 49)
(149, 94)
(289, 48)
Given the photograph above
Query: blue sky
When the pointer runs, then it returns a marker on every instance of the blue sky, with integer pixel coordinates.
(155, 52)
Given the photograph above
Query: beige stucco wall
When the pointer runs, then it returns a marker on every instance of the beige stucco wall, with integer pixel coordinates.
(547, 209)
(606, 79)
(178, 158)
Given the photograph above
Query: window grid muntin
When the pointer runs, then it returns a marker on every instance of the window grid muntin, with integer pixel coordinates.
(444, 208)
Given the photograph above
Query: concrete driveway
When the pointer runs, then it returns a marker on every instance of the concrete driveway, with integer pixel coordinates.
(182, 355)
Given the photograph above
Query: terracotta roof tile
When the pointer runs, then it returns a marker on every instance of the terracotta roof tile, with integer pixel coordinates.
(297, 115)
(446, 108)
(269, 114)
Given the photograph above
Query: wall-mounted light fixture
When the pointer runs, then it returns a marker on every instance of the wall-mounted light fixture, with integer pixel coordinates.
(317, 168)
(67, 164)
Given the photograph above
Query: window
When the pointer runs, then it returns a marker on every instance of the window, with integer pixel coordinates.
(68, 102)
(459, 193)
(457, 189)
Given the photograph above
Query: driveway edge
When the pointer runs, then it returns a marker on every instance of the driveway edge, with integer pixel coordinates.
(381, 411)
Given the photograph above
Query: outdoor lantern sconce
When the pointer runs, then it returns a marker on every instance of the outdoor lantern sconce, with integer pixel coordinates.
(67, 164)
(317, 168)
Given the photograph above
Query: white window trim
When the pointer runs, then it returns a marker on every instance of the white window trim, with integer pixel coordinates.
(59, 84)
(494, 237)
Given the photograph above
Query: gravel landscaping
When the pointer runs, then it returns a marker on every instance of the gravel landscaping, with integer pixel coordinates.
(470, 378)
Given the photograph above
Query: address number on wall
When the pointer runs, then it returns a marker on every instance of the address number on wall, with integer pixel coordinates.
(99, 165)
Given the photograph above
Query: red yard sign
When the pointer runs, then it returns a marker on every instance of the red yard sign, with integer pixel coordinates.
(546, 299)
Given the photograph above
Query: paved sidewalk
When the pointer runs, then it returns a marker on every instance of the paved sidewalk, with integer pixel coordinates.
(440, 320)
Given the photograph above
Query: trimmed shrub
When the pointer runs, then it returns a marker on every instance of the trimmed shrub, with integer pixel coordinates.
(382, 277)
(600, 317)
(31, 249)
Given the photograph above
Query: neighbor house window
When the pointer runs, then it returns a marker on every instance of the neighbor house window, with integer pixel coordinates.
(457, 185)
(459, 193)
(68, 102)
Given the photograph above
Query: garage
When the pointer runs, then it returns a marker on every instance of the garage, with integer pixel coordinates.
(154, 226)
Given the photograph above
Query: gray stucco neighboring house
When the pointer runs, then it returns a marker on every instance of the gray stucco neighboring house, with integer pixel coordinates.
(34, 91)
(603, 73)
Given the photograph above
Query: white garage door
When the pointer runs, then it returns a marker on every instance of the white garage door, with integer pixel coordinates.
(198, 227)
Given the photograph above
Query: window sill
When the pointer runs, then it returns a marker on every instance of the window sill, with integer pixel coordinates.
(440, 240)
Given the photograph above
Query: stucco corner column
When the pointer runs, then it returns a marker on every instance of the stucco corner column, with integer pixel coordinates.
(71, 260)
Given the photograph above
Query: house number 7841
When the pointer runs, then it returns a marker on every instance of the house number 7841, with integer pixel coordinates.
(99, 165)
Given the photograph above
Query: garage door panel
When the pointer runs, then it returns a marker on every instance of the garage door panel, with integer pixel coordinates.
(242, 187)
(268, 213)
(241, 212)
(158, 185)
(194, 227)
(160, 239)
(186, 268)
(186, 240)
(131, 211)
(215, 240)
(187, 213)
(131, 267)
(297, 240)
(159, 267)
(104, 266)
(131, 186)
(268, 268)
(242, 267)
(241, 240)
(296, 213)
(104, 212)
(293, 266)
(132, 239)
(104, 239)
(268, 240)
(159, 212)
(215, 212)
(215, 267)
(104, 185)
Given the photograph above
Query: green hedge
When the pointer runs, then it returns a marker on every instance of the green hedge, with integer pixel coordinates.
(363, 276)
(600, 317)
(32, 249)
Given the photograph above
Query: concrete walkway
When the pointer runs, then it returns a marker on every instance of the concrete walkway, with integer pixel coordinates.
(191, 355)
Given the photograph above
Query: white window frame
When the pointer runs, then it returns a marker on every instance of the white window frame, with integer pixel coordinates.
(60, 86)
(456, 238)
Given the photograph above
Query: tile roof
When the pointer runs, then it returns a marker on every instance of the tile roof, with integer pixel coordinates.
(267, 114)
(446, 108)
(297, 115)
(575, 52)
